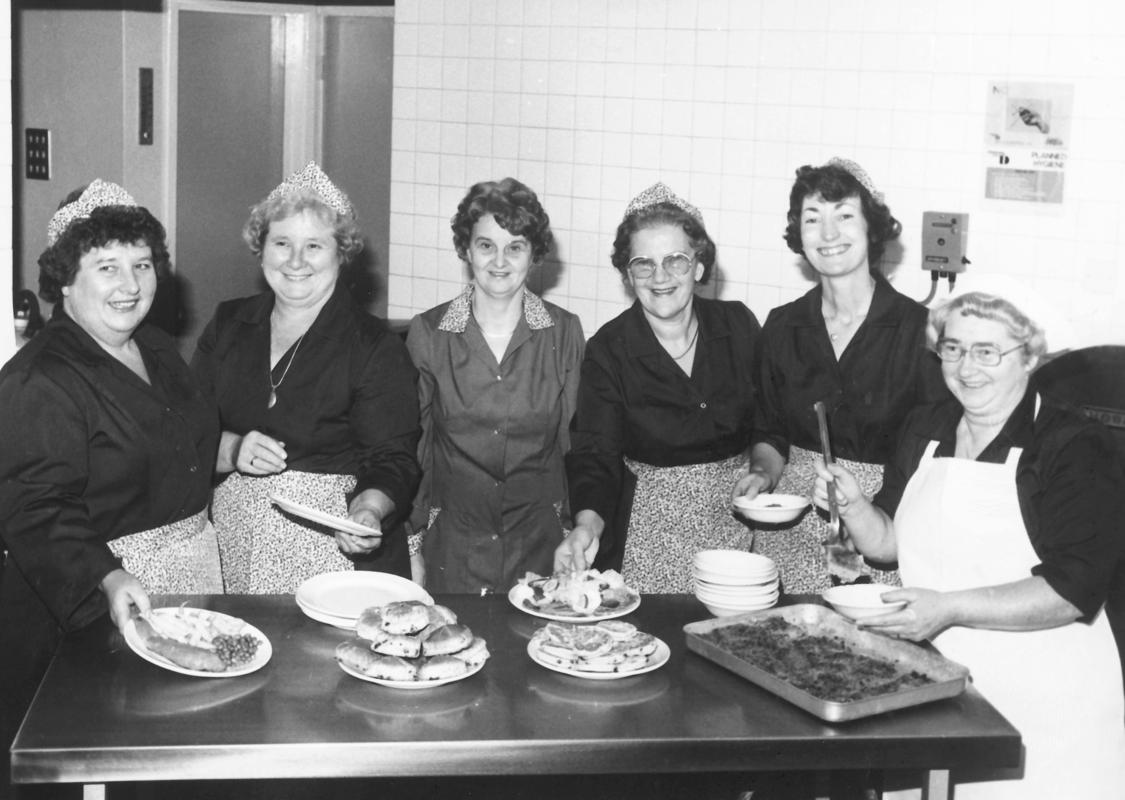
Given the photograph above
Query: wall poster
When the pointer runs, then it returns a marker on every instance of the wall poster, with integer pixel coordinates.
(1027, 135)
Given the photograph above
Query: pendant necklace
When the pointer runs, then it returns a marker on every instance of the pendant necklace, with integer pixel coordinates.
(691, 344)
(273, 386)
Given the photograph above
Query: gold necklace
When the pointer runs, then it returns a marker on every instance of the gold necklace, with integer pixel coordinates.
(273, 386)
(691, 344)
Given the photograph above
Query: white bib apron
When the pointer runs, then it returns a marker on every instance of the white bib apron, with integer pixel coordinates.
(959, 526)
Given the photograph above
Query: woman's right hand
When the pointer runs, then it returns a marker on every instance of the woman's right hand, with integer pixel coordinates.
(849, 495)
(577, 551)
(258, 454)
(124, 593)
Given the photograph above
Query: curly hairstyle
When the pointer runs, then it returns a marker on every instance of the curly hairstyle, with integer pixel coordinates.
(515, 208)
(58, 264)
(992, 307)
(663, 214)
(349, 240)
(834, 183)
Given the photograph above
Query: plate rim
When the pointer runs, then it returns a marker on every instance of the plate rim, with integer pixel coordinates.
(323, 517)
(136, 644)
(363, 576)
(620, 612)
(410, 685)
(660, 657)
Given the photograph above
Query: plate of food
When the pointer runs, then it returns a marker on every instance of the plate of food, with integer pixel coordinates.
(197, 642)
(410, 644)
(322, 518)
(607, 650)
(575, 596)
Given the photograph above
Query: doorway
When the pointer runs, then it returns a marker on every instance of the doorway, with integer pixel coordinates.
(260, 90)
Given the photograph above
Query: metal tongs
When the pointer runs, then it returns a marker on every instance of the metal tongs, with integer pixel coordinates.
(842, 561)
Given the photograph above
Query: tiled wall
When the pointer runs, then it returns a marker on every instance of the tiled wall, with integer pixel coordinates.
(590, 101)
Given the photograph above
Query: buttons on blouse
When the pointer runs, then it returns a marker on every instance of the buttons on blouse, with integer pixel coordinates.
(703, 405)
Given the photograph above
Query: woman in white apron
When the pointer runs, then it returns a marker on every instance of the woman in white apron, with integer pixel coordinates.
(1006, 529)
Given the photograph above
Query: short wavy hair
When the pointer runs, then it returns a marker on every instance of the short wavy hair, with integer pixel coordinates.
(349, 240)
(834, 183)
(663, 214)
(1019, 325)
(58, 264)
(516, 209)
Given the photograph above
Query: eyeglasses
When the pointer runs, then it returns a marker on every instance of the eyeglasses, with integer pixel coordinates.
(987, 355)
(675, 264)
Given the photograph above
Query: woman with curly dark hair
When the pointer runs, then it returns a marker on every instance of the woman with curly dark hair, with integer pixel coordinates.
(317, 404)
(108, 443)
(852, 342)
(665, 408)
(498, 375)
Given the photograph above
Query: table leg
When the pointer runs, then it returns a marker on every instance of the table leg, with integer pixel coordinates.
(937, 785)
(93, 791)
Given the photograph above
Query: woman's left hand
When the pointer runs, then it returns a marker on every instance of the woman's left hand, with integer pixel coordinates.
(368, 508)
(926, 614)
(124, 593)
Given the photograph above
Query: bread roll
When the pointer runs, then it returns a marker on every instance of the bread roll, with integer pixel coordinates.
(405, 617)
(439, 667)
(354, 654)
(395, 645)
(440, 615)
(475, 654)
(447, 639)
(369, 626)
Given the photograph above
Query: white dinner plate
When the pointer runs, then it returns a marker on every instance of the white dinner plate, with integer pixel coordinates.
(569, 615)
(655, 661)
(261, 657)
(347, 623)
(323, 518)
(410, 684)
(345, 595)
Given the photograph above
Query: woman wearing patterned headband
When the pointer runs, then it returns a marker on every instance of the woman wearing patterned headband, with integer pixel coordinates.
(317, 402)
(498, 376)
(108, 443)
(852, 342)
(665, 408)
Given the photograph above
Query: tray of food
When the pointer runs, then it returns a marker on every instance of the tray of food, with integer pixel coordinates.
(821, 662)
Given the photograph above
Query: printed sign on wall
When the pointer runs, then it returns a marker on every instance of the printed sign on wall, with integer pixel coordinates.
(1027, 134)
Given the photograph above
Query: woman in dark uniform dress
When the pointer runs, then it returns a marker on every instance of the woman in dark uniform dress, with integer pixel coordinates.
(665, 408)
(108, 444)
(852, 342)
(317, 402)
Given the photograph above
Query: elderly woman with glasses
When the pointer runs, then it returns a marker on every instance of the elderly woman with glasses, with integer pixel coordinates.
(851, 342)
(1003, 510)
(665, 408)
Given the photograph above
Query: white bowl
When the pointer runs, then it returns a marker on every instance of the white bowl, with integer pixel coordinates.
(771, 508)
(728, 611)
(734, 592)
(720, 566)
(861, 600)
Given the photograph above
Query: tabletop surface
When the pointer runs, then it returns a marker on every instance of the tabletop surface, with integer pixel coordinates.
(103, 714)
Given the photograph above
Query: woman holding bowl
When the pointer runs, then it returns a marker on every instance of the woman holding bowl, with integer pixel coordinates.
(852, 342)
(1003, 510)
(498, 375)
(108, 442)
(665, 408)
(317, 403)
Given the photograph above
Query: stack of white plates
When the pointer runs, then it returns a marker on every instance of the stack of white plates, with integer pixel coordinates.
(734, 581)
(338, 598)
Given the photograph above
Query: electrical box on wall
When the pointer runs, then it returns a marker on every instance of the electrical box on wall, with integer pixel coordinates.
(943, 241)
(37, 154)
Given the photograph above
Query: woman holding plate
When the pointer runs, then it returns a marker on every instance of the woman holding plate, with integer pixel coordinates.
(317, 402)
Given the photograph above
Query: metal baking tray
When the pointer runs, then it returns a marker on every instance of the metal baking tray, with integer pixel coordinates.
(950, 678)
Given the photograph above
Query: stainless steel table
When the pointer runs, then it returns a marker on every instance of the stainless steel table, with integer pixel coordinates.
(103, 715)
